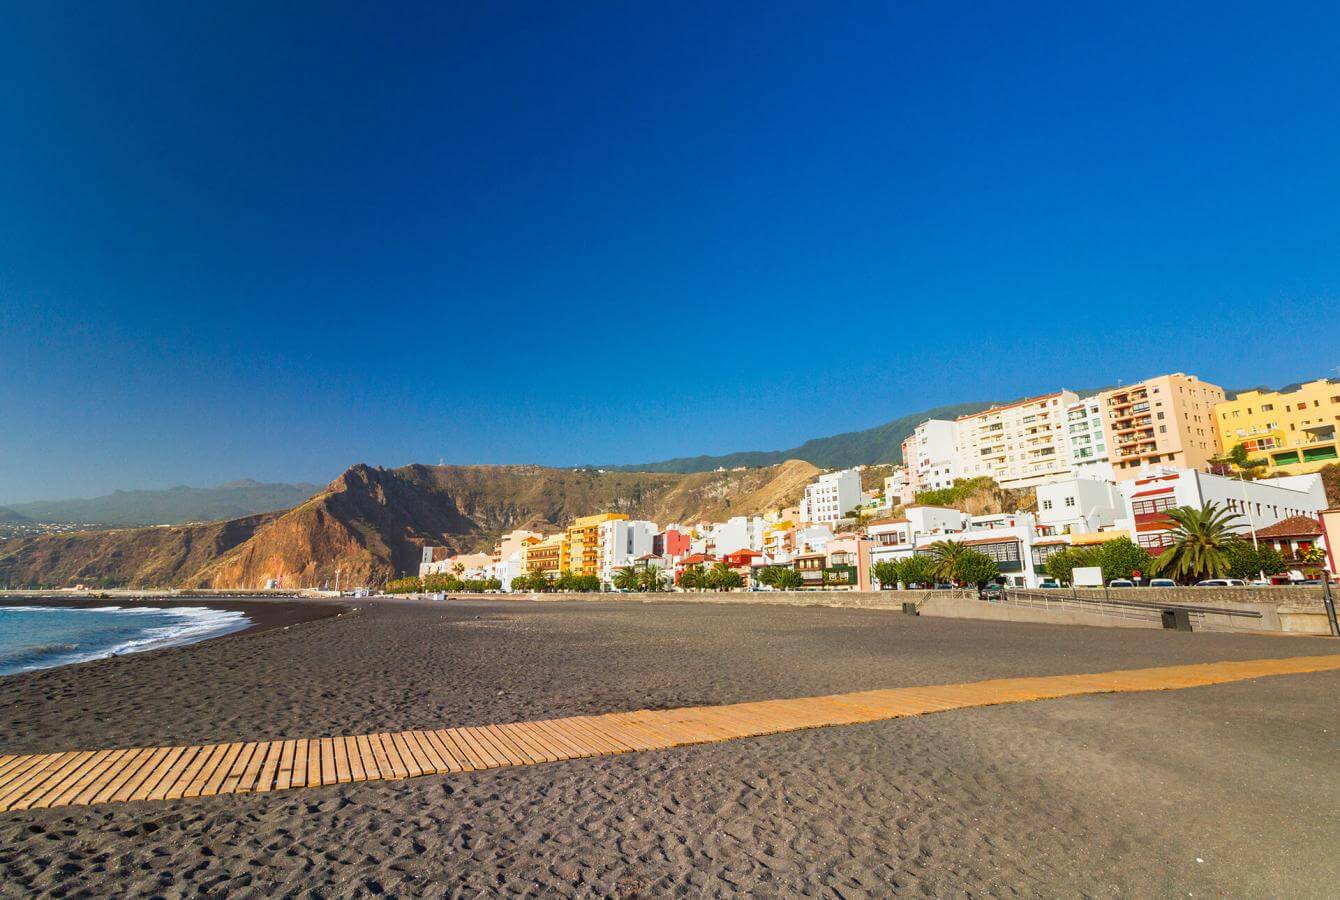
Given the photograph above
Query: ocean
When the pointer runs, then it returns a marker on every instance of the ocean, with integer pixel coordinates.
(39, 637)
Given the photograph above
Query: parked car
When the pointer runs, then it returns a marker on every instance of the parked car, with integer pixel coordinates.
(1049, 583)
(1121, 582)
(1162, 582)
(941, 586)
(991, 592)
(1221, 582)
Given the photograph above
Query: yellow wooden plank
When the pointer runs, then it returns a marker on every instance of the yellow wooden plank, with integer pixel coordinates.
(269, 768)
(56, 781)
(107, 786)
(193, 771)
(213, 771)
(284, 773)
(173, 774)
(148, 769)
(367, 757)
(329, 774)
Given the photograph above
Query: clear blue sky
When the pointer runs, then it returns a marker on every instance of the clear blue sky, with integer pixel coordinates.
(270, 240)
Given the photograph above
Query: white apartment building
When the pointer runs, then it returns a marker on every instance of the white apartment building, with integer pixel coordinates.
(621, 542)
(928, 457)
(898, 488)
(739, 533)
(1257, 503)
(1018, 445)
(1085, 443)
(1078, 505)
(831, 496)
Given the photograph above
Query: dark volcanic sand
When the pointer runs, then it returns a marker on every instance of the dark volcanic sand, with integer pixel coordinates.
(1105, 795)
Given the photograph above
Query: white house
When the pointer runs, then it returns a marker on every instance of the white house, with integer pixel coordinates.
(831, 496)
(740, 533)
(1078, 505)
(621, 542)
(1256, 503)
(928, 456)
(897, 488)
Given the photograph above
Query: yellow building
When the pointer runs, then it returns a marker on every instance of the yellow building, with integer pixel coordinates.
(546, 556)
(1164, 421)
(582, 551)
(1294, 431)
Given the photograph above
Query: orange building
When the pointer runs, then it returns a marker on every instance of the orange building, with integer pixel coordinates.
(1163, 421)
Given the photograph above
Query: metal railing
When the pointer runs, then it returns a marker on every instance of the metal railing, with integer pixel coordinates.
(1060, 600)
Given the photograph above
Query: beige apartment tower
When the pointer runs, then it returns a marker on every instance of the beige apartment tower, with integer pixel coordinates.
(1163, 421)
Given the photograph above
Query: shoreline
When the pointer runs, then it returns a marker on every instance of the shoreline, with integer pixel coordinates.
(262, 612)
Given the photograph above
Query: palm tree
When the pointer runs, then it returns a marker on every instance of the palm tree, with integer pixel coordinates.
(1201, 541)
(627, 580)
(946, 555)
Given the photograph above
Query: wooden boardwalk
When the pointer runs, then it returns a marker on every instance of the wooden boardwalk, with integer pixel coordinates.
(83, 777)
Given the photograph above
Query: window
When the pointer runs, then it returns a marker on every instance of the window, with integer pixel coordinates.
(1003, 552)
(1153, 541)
(1069, 501)
(1153, 505)
(1046, 504)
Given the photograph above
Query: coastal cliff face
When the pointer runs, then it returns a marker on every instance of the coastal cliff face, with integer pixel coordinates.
(158, 557)
(371, 524)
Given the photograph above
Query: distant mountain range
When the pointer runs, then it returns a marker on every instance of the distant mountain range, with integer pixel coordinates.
(9, 517)
(881, 444)
(173, 506)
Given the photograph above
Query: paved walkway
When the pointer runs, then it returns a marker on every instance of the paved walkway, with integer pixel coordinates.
(79, 778)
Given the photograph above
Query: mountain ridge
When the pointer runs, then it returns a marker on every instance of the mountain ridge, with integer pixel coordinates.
(170, 506)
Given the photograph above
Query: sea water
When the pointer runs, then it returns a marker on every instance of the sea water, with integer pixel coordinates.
(38, 637)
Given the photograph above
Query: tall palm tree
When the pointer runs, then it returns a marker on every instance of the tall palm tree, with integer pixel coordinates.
(946, 555)
(1201, 541)
(627, 579)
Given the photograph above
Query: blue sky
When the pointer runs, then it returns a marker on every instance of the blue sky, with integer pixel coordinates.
(271, 240)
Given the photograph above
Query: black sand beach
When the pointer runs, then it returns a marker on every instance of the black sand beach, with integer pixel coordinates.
(1228, 789)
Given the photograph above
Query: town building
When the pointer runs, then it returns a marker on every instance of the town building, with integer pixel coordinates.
(1163, 421)
(547, 556)
(929, 457)
(831, 496)
(1301, 540)
(1256, 504)
(1290, 431)
(582, 552)
(1018, 445)
(739, 533)
(671, 543)
(897, 488)
(1086, 440)
(621, 542)
(1079, 505)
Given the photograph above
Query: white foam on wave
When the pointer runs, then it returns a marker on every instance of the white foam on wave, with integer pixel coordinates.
(193, 624)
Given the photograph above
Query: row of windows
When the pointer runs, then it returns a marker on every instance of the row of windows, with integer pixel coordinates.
(1155, 505)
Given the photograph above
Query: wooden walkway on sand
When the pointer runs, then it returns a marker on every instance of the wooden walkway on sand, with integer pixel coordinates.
(83, 777)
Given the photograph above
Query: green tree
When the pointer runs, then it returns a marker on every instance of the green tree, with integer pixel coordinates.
(1122, 558)
(946, 555)
(693, 578)
(1201, 542)
(722, 577)
(886, 573)
(975, 568)
(627, 580)
(917, 569)
(787, 579)
(1238, 456)
(1062, 565)
(1246, 561)
(411, 585)
(650, 579)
